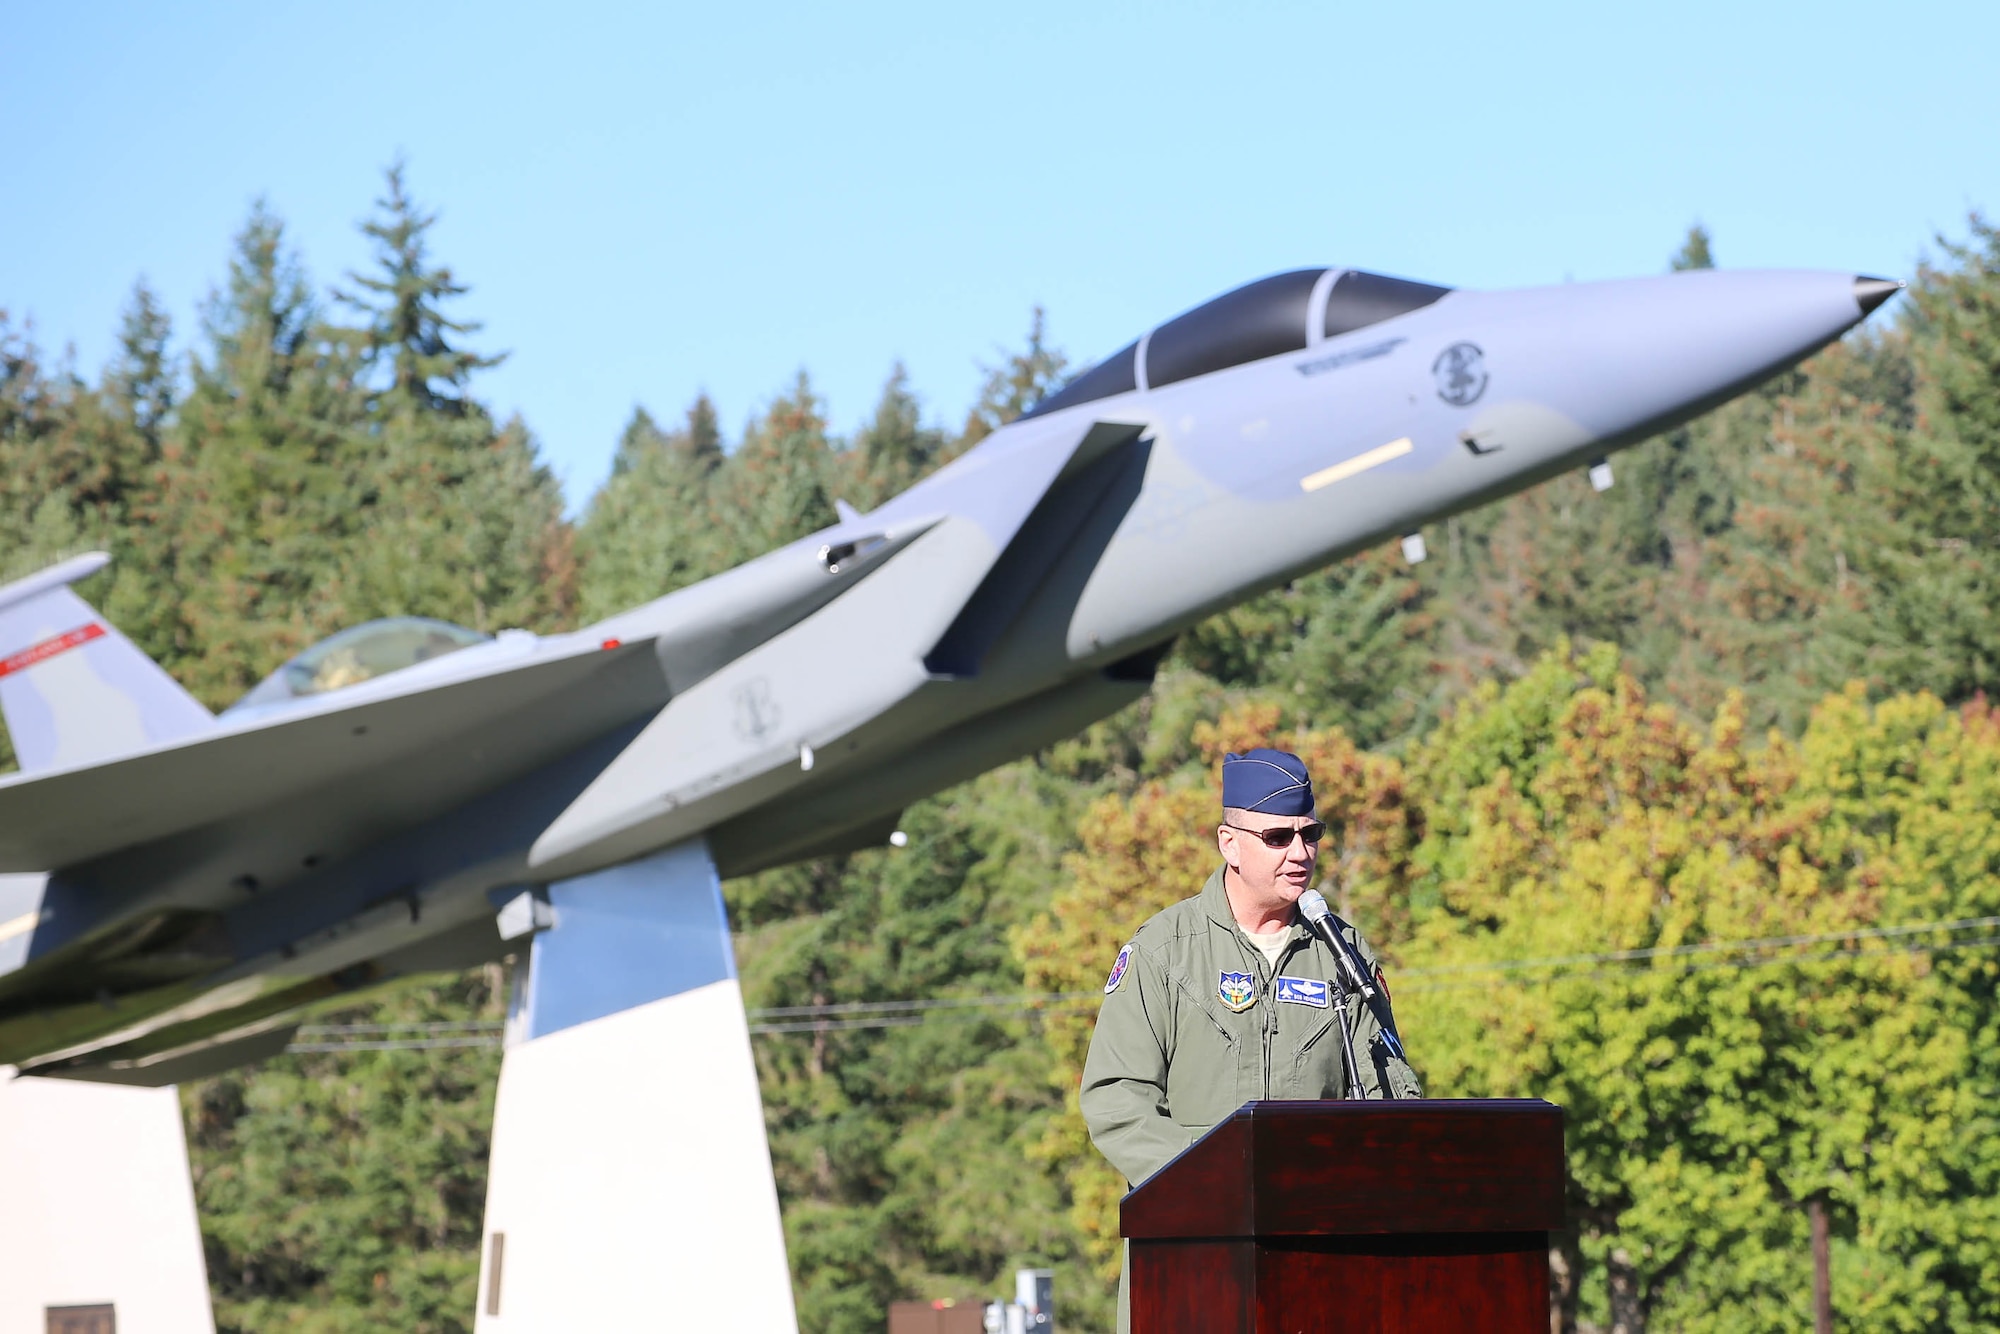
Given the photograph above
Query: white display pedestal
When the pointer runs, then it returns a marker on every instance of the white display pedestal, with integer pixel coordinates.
(631, 1182)
(97, 1210)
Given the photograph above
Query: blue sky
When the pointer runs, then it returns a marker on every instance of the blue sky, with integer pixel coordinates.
(652, 200)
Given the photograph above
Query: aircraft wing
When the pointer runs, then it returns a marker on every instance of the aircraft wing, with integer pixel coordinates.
(738, 736)
(428, 747)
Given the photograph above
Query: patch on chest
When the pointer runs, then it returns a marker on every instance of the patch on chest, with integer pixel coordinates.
(1237, 991)
(1303, 991)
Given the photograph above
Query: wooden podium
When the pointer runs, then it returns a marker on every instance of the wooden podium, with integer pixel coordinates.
(1317, 1217)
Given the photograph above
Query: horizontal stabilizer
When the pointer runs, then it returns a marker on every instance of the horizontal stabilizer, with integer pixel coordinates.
(73, 690)
(180, 1067)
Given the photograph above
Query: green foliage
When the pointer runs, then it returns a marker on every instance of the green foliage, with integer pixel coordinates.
(256, 494)
(1020, 381)
(1502, 734)
(1712, 1093)
(774, 487)
(406, 328)
(1695, 252)
(1353, 645)
(343, 1192)
(649, 530)
(900, 1153)
(895, 448)
(1929, 551)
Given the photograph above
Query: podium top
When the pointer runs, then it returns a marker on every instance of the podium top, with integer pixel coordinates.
(1361, 1168)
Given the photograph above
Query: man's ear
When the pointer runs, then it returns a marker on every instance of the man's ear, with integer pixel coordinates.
(1225, 843)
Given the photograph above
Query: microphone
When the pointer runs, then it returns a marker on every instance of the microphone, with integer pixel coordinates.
(1326, 926)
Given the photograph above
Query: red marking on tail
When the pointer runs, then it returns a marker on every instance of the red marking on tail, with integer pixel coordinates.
(48, 648)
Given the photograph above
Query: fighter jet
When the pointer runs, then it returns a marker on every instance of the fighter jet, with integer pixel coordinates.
(182, 888)
(179, 889)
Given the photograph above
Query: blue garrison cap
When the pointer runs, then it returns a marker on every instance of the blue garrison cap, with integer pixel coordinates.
(1271, 782)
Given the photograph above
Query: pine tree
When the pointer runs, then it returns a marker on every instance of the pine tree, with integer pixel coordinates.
(773, 489)
(36, 407)
(407, 330)
(1695, 252)
(463, 521)
(895, 449)
(1019, 382)
(265, 490)
(342, 1193)
(648, 530)
(641, 436)
(1932, 550)
(140, 383)
(900, 1154)
(128, 423)
(1353, 646)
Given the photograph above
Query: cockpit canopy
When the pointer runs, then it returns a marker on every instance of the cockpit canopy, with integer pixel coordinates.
(1267, 318)
(362, 653)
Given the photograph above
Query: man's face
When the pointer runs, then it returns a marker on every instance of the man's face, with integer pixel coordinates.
(1272, 874)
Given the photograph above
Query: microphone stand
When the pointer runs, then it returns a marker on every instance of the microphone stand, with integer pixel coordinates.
(1347, 970)
(1354, 1086)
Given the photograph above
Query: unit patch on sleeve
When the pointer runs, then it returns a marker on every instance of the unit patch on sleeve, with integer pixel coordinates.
(1238, 991)
(1118, 970)
(1303, 991)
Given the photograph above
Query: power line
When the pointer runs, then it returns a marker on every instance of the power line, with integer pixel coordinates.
(457, 1026)
(1709, 947)
(1060, 1000)
(857, 1016)
(420, 1044)
(906, 1006)
(1824, 956)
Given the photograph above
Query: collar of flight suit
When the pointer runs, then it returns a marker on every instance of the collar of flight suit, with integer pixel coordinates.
(1215, 901)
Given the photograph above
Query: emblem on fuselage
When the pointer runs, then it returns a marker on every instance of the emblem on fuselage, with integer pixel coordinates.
(757, 711)
(1461, 374)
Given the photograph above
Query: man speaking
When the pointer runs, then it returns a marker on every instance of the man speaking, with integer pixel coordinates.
(1231, 996)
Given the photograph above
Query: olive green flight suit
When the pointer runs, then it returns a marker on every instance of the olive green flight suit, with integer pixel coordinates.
(1171, 1056)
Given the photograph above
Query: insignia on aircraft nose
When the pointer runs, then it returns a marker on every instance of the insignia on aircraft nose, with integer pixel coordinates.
(1461, 374)
(1238, 991)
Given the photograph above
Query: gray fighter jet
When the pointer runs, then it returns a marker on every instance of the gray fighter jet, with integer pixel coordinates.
(180, 888)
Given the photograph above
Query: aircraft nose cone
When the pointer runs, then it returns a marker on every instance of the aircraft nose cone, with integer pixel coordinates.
(1872, 292)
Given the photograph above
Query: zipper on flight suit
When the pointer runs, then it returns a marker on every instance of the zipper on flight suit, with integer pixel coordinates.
(1270, 975)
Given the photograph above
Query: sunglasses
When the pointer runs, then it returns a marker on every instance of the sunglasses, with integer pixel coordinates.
(1282, 838)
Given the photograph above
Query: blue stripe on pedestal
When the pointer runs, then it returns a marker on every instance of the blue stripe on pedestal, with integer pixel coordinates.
(625, 936)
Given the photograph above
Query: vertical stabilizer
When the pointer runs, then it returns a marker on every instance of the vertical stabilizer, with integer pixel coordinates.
(74, 690)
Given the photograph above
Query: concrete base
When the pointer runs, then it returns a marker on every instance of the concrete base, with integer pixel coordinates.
(96, 1208)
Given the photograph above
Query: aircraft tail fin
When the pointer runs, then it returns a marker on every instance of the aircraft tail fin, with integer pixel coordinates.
(74, 690)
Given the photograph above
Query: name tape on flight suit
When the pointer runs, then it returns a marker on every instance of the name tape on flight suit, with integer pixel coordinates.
(1303, 991)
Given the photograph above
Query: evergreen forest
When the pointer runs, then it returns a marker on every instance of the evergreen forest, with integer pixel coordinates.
(1673, 804)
